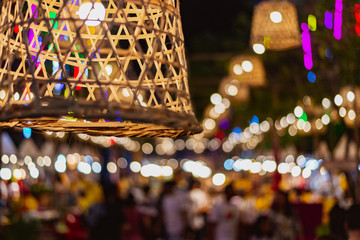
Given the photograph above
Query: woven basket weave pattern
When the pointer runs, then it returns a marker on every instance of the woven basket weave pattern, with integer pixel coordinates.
(129, 66)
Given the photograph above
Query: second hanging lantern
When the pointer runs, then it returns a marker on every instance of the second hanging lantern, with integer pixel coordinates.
(275, 25)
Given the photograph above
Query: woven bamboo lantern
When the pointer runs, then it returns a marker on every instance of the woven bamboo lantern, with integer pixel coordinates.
(109, 67)
(248, 70)
(275, 25)
(232, 89)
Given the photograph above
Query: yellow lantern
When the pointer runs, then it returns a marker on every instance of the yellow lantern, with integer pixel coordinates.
(248, 70)
(232, 89)
(275, 25)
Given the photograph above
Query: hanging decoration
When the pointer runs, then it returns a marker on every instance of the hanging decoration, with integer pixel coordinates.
(232, 89)
(110, 67)
(248, 70)
(348, 102)
(338, 19)
(275, 25)
(306, 43)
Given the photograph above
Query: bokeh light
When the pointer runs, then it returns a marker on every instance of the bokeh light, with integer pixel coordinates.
(135, 166)
(219, 179)
(276, 17)
(215, 98)
(258, 48)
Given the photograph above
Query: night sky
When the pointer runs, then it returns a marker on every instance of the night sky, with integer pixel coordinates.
(214, 32)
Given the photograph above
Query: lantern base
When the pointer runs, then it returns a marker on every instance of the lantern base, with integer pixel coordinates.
(98, 118)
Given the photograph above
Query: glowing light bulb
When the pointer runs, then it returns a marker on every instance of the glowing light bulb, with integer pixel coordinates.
(326, 103)
(209, 124)
(96, 167)
(350, 96)
(5, 173)
(216, 98)
(318, 124)
(34, 173)
(2, 94)
(247, 66)
(93, 13)
(237, 69)
(16, 96)
(84, 167)
(220, 108)
(276, 17)
(167, 171)
(325, 119)
(255, 167)
(258, 48)
(147, 148)
(204, 172)
(306, 173)
(292, 130)
(17, 174)
(125, 92)
(351, 114)
(342, 112)
(295, 171)
(108, 69)
(111, 167)
(265, 126)
(135, 166)
(338, 100)
(298, 111)
(231, 90)
(283, 168)
(290, 118)
(219, 179)
(226, 102)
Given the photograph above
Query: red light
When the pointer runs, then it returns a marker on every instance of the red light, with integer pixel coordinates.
(76, 75)
(16, 29)
(220, 135)
(357, 18)
(357, 29)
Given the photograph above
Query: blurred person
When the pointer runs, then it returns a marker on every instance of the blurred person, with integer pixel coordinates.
(263, 229)
(105, 219)
(173, 212)
(282, 215)
(198, 206)
(150, 213)
(353, 222)
(224, 217)
(132, 229)
(337, 216)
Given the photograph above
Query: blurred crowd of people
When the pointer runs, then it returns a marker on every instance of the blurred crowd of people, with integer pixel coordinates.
(190, 212)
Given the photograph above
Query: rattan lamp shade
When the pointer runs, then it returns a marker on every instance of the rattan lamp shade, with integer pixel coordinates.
(275, 25)
(110, 67)
(248, 70)
(234, 91)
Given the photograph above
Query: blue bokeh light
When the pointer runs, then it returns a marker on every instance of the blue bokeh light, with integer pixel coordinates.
(254, 119)
(27, 132)
(237, 130)
(311, 77)
(228, 164)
